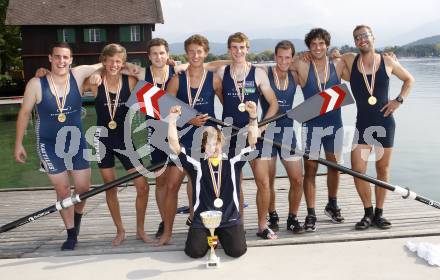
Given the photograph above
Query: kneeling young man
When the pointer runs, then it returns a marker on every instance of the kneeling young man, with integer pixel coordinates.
(216, 181)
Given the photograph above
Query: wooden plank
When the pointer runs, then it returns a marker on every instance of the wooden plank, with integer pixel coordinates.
(44, 237)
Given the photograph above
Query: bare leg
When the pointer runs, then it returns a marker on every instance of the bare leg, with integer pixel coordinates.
(175, 177)
(294, 171)
(332, 176)
(161, 191)
(272, 173)
(359, 157)
(309, 185)
(383, 174)
(108, 175)
(142, 192)
(61, 184)
(260, 168)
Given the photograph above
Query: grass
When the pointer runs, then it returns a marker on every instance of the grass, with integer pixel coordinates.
(15, 175)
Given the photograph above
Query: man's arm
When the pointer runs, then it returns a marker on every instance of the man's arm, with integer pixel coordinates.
(218, 88)
(264, 85)
(408, 80)
(347, 59)
(251, 108)
(173, 138)
(82, 72)
(134, 70)
(32, 95)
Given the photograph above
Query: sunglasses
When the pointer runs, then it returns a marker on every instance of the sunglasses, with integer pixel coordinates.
(362, 36)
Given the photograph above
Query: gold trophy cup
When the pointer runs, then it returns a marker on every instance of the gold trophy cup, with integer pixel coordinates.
(211, 220)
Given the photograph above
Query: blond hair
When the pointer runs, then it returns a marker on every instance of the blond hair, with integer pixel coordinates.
(112, 49)
(238, 37)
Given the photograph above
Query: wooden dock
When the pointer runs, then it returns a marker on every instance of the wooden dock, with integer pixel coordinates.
(44, 237)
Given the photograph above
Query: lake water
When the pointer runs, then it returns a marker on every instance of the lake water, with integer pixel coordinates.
(415, 154)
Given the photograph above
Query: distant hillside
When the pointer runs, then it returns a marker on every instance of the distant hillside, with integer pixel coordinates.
(425, 41)
(257, 45)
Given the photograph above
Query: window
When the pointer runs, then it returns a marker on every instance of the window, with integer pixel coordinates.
(94, 35)
(137, 62)
(135, 33)
(130, 33)
(66, 35)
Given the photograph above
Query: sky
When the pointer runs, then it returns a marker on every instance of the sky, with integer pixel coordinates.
(394, 22)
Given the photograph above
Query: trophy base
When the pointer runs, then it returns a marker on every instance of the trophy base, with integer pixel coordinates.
(213, 262)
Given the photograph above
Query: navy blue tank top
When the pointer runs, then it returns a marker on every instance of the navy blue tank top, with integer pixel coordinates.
(284, 97)
(311, 88)
(204, 104)
(367, 114)
(101, 107)
(231, 99)
(149, 76)
(48, 111)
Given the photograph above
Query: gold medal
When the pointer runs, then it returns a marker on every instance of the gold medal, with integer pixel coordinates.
(370, 86)
(112, 125)
(241, 107)
(214, 161)
(240, 93)
(218, 203)
(112, 108)
(372, 100)
(62, 117)
(216, 182)
(60, 104)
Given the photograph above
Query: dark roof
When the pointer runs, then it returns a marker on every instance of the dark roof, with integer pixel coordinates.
(83, 12)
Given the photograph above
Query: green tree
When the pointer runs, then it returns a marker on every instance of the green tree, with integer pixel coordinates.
(10, 45)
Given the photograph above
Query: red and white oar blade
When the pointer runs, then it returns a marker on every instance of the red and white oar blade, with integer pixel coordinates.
(156, 103)
(329, 100)
(147, 96)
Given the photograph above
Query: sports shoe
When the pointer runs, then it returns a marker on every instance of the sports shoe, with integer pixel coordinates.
(294, 226)
(309, 223)
(334, 214)
(273, 221)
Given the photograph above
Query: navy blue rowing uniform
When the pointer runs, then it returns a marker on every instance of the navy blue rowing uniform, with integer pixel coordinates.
(370, 122)
(204, 194)
(115, 139)
(157, 155)
(325, 130)
(281, 131)
(60, 145)
(204, 104)
(231, 100)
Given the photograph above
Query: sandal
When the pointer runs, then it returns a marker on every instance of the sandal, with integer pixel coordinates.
(267, 233)
(364, 223)
(381, 223)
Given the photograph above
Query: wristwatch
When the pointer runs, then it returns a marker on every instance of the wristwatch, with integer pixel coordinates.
(399, 99)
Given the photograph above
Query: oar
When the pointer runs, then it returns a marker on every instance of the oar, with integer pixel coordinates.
(156, 103)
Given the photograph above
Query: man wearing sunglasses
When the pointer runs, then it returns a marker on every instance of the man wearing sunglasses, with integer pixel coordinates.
(369, 75)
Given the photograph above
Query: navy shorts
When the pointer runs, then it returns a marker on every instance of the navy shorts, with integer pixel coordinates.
(72, 158)
(284, 136)
(376, 135)
(315, 137)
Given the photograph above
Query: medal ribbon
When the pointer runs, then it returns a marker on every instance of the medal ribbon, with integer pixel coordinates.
(112, 111)
(165, 77)
(216, 183)
(325, 75)
(370, 87)
(234, 78)
(277, 80)
(192, 102)
(60, 104)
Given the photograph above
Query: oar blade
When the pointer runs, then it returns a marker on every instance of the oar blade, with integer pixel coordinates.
(156, 103)
(329, 100)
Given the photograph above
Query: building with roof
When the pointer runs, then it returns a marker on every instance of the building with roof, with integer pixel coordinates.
(86, 25)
